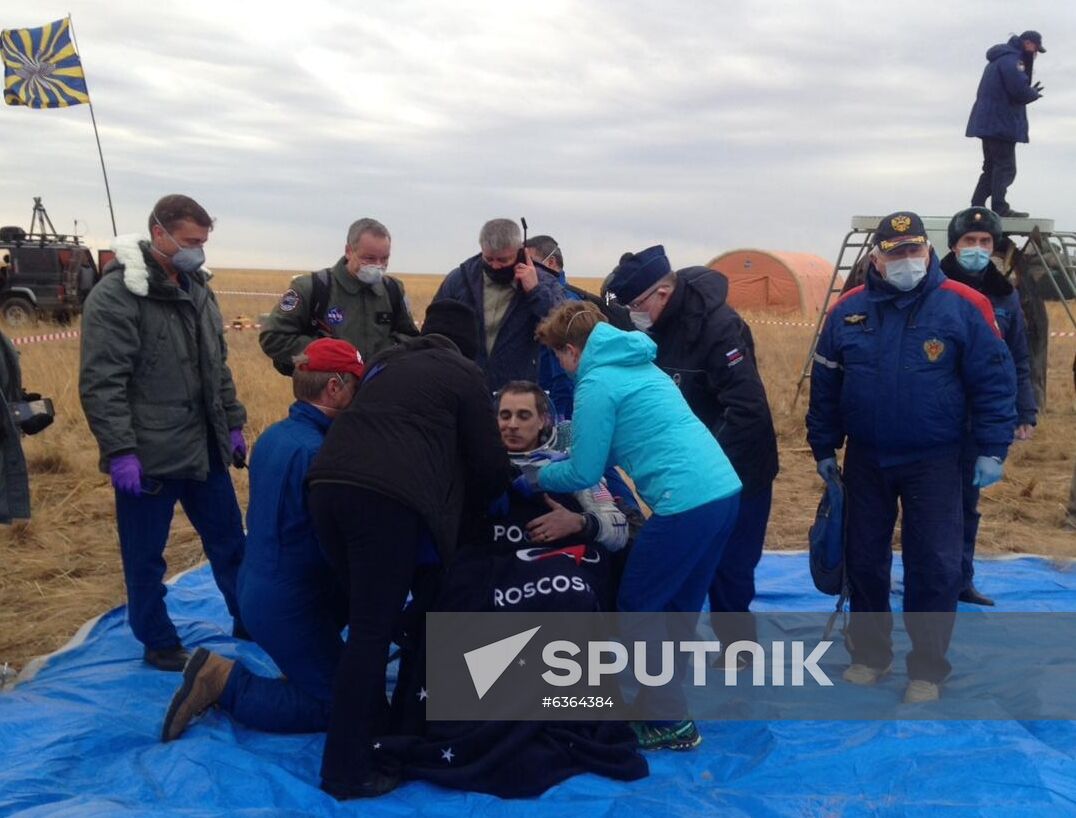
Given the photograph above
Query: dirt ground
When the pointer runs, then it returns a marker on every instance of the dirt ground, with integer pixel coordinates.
(63, 567)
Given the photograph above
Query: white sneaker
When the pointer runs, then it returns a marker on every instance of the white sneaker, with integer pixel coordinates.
(920, 691)
(859, 674)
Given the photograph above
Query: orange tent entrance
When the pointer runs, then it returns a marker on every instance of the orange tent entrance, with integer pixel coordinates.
(764, 281)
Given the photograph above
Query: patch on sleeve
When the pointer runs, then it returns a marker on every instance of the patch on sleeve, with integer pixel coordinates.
(733, 357)
(1020, 65)
(289, 301)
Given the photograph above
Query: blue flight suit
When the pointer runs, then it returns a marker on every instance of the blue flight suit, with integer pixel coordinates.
(1010, 317)
(899, 375)
(291, 603)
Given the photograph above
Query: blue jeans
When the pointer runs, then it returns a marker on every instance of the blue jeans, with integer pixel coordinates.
(144, 523)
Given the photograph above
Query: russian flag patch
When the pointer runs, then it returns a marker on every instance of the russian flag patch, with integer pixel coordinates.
(733, 357)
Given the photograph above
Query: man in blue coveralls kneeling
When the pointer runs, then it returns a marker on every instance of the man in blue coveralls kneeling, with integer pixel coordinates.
(903, 364)
(291, 603)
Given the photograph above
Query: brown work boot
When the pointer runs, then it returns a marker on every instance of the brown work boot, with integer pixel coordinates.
(204, 678)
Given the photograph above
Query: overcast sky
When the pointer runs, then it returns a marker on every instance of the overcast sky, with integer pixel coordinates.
(705, 126)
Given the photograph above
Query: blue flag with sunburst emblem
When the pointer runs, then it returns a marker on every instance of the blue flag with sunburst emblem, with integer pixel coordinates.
(41, 67)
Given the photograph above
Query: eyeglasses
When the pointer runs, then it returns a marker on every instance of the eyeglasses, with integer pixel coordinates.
(637, 304)
(556, 247)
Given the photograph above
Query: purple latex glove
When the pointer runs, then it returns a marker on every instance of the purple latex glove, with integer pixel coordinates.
(238, 447)
(126, 473)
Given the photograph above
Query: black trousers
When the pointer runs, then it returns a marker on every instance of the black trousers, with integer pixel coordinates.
(999, 171)
(371, 541)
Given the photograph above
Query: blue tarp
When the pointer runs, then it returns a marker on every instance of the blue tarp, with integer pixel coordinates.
(82, 738)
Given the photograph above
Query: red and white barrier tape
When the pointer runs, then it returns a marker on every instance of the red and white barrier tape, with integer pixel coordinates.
(48, 336)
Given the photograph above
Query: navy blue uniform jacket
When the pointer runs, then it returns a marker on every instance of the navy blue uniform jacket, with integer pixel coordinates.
(1000, 109)
(900, 374)
(515, 352)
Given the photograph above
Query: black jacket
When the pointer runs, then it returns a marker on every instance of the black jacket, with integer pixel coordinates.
(421, 430)
(515, 352)
(707, 349)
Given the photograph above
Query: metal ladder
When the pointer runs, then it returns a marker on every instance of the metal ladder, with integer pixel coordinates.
(857, 239)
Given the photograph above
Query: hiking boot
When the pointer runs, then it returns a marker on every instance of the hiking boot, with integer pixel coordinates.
(204, 678)
(920, 691)
(1013, 214)
(681, 735)
(859, 674)
(377, 784)
(172, 659)
(972, 595)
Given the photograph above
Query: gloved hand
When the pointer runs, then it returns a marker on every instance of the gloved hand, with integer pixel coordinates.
(827, 468)
(526, 485)
(126, 473)
(1037, 88)
(988, 470)
(239, 448)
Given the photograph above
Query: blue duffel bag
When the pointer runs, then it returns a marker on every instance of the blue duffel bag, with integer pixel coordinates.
(826, 540)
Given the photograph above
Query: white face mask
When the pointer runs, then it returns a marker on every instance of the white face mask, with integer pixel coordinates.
(370, 273)
(641, 319)
(905, 273)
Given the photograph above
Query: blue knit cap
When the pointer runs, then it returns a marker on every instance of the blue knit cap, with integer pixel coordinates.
(638, 272)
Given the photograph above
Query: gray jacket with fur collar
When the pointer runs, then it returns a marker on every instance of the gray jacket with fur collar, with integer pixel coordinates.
(154, 378)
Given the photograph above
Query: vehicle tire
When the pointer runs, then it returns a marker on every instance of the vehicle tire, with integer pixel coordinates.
(18, 312)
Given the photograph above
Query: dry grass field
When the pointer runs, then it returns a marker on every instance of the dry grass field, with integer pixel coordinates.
(63, 566)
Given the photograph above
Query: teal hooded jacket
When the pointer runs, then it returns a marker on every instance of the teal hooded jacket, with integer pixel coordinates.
(629, 413)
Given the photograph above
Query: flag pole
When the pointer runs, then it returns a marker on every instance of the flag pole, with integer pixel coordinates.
(96, 135)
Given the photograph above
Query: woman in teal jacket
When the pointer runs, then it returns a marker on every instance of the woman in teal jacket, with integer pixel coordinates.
(629, 413)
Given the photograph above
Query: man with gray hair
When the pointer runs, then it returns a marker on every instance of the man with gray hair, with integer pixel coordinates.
(509, 295)
(354, 301)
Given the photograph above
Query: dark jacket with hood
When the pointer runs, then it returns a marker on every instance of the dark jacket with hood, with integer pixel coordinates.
(421, 430)
(515, 352)
(1000, 109)
(707, 349)
(154, 377)
(1010, 317)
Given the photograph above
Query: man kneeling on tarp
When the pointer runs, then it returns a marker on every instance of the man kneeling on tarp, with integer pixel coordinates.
(290, 601)
(549, 552)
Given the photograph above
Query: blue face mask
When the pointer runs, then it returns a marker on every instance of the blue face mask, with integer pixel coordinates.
(973, 259)
(905, 273)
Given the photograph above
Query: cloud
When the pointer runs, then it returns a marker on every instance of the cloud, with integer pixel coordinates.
(611, 125)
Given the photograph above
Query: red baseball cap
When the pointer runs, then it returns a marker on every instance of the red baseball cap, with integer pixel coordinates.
(332, 355)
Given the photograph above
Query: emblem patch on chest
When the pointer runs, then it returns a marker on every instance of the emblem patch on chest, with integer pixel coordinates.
(934, 349)
(335, 316)
(855, 318)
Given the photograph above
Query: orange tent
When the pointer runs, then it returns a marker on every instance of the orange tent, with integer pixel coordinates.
(775, 282)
